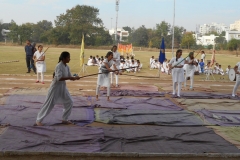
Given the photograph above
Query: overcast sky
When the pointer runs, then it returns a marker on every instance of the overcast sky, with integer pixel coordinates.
(132, 13)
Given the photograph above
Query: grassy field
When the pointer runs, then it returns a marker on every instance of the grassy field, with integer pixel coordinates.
(10, 53)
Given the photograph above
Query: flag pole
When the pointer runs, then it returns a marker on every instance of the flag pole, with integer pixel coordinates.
(173, 28)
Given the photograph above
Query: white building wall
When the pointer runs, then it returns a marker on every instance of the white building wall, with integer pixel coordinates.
(218, 27)
(205, 40)
(121, 32)
(235, 26)
(232, 35)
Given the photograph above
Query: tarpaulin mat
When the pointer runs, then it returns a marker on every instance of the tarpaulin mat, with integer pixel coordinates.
(26, 116)
(220, 117)
(141, 87)
(51, 139)
(140, 139)
(203, 95)
(156, 139)
(135, 93)
(154, 117)
(212, 104)
(231, 134)
(38, 100)
(79, 101)
(138, 103)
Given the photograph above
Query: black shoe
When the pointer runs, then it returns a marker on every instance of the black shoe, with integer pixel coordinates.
(28, 72)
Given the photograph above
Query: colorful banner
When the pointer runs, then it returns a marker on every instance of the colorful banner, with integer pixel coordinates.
(125, 49)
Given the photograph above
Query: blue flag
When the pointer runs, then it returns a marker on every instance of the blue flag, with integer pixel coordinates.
(162, 52)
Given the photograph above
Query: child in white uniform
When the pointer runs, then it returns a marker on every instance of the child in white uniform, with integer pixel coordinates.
(116, 59)
(39, 58)
(176, 64)
(237, 71)
(190, 69)
(103, 79)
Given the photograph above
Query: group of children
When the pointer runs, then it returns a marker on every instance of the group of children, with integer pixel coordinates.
(177, 64)
(58, 92)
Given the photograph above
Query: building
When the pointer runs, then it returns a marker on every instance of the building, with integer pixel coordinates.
(235, 26)
(121, 32)
(213, 27)
(232, 35)
(205, 40)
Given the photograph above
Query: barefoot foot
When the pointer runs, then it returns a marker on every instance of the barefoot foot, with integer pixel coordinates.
(39, 124)
(66, 122)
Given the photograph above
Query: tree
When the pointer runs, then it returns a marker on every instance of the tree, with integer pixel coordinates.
(1, 27)
(14, 31)
(212, 32)
(80, 20)
(188, 40)
(220, 41)
(233, 44)
(128, 29)
(39, 29)
(140, 36)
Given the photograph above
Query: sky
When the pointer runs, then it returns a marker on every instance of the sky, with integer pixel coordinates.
(132, 13)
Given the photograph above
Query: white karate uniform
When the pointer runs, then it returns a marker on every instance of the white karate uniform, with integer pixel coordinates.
(203, 57)
(40, 65)
(116, 59)
(154, 65)
(57, 94)
(165, 67)
(237, 80)
(151, 61)
(89, 63)
(103, 79)
(190, 69)
(177, 74)
(221, 71)
(227, 70)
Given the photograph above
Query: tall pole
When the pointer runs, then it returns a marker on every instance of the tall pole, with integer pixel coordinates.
(173, 28)
(117, 8)
(111, 23)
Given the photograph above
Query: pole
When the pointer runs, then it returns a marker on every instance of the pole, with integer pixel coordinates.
(111, 23)
(173, 28)
(117, 8)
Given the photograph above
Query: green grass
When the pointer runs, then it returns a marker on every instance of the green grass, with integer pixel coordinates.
(9, 53)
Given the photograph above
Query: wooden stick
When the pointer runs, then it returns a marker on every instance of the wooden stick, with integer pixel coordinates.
(9, 61)
(42, 54)
(108, 71)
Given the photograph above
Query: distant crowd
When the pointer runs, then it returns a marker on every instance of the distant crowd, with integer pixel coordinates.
(200, 68)
(128, 64)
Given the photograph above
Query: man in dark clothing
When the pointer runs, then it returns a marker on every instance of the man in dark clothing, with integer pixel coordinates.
(29, 49)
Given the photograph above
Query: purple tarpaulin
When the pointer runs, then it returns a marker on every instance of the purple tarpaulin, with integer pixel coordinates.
(140, 117)
(138, 139)
(26, 116)
(203, 95)
(155, 139)
(51, 139)
(135, 93)
(219, 117)
(116, 102)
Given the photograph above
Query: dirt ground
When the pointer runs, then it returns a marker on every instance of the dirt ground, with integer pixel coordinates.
(25, 83)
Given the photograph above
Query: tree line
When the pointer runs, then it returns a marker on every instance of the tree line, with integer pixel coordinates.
(83, 20)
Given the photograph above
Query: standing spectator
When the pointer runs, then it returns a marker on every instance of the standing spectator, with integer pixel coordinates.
(29, 49)
(203, 56)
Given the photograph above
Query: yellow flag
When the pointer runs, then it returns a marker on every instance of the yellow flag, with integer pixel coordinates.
(82, 53)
